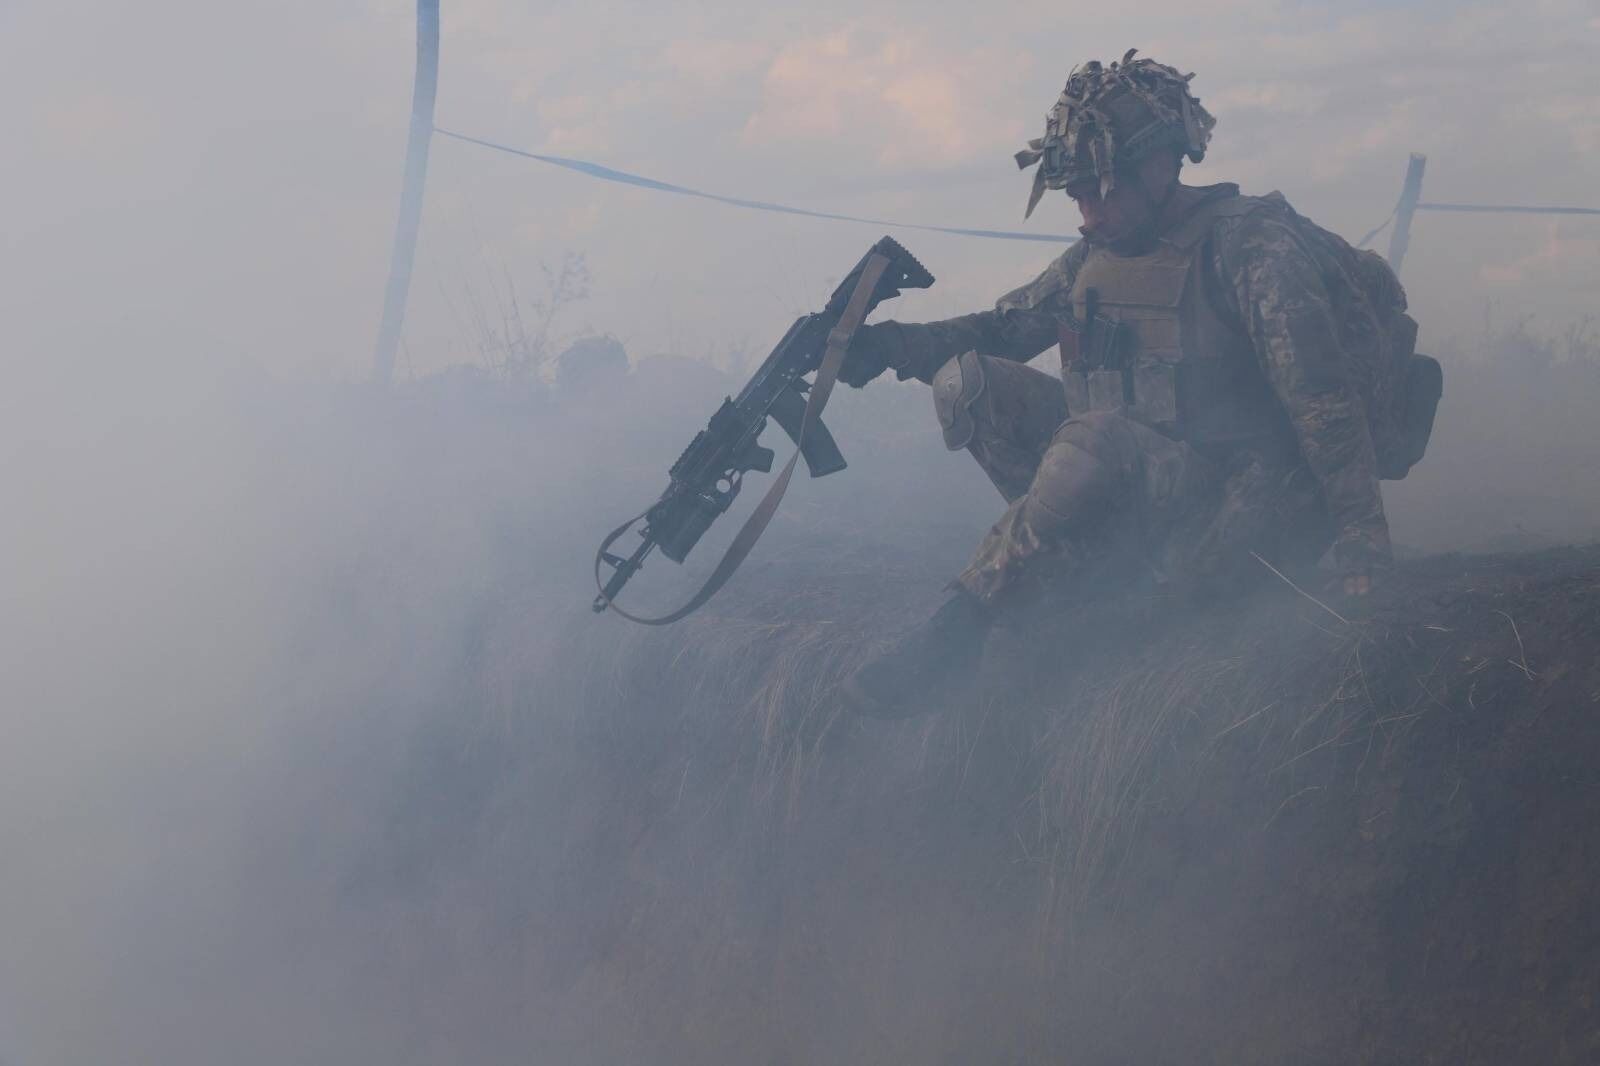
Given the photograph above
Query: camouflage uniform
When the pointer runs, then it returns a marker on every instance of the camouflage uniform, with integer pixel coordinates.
(1209, 405)
(1082, 484)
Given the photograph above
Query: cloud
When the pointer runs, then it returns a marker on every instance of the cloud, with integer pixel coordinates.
(712, 63)
(895, 109)
(1276, 98)
(590, 123)
(92, 125)
(1385, 135)
(913, 100)
(1558, 257)
(1579, 114)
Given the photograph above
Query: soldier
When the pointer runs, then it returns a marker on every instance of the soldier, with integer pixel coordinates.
(1207, 412)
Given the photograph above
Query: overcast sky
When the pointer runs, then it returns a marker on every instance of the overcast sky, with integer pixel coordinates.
(215, 183)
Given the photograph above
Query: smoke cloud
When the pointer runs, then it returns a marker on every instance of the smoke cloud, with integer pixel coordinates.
(313, 751)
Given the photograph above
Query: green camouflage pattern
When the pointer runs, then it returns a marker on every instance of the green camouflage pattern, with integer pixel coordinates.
(1269, 280)
(1274, 283)
(1102, 489)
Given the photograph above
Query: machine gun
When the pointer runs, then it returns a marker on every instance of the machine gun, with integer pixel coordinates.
(706, 479)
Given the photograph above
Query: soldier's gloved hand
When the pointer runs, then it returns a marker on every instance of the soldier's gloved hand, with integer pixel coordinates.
(871, 350)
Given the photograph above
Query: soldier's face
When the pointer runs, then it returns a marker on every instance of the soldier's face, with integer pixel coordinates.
(1130, 207)
(1120, 212)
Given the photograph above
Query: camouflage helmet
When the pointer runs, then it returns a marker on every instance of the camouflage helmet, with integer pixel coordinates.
(1109, 117)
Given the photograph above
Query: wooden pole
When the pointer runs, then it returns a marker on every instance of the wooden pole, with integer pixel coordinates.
(424, 88)
(1410, 193)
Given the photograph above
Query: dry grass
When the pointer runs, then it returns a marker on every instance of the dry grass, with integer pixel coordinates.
(1146, 710)
(767, 858)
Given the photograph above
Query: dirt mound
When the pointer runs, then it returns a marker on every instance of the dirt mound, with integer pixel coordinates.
(1257, 832)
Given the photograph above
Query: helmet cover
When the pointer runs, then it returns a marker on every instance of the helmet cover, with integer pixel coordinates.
(1110, 117)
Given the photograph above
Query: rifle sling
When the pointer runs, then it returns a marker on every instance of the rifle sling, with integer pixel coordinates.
(821, 388)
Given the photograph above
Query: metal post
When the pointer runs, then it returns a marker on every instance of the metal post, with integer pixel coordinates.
(1400, 239)
(424, 88)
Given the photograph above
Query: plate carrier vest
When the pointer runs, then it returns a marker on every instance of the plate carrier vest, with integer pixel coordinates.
(1148, 340)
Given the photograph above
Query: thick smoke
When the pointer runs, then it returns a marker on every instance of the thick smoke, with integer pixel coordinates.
(313, 751)
(314, 747)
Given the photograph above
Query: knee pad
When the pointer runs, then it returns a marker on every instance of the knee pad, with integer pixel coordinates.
(1102, 434)
(956, 387)
(1072, 488)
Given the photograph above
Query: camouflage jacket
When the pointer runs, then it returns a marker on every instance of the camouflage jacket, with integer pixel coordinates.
(1274, 287)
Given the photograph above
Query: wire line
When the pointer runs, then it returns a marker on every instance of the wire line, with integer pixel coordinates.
(623, 177)
(1508, 209)
(605, 173)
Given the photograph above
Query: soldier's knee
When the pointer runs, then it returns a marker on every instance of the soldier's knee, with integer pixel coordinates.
(1093, 424)
(1095, 432)
(1073, 481)
(957, 386)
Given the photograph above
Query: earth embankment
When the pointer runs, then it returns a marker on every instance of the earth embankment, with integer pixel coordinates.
(1267, 831)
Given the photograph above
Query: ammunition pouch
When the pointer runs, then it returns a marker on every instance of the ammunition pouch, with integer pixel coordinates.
(1203, 401)
(1092, 369)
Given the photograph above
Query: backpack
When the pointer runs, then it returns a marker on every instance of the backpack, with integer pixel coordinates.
(1399, 388)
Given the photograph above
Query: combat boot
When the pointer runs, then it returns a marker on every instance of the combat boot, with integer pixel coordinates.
(907, 678)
